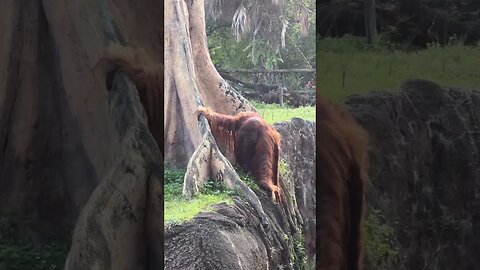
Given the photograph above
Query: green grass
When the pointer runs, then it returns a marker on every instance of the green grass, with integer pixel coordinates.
(16, 253)
(23, 255)
(178, 209)
(365, 68)
(273, 113)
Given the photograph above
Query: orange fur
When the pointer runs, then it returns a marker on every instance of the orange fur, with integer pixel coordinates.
(262, 160)
(342, 165)
(147, 77)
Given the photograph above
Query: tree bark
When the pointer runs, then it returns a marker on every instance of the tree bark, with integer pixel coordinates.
(189, 139)
(57, 137)
(191, 80)
(370, 21)
(121, 225)
(235, 237)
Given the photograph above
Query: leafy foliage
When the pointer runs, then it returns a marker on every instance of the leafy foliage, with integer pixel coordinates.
(265, 21)
(212, 187)
(380, 248)
(226, 53)
(247, 178)
(300, 254)
(261, 52)
(173, 183)
(284, 168)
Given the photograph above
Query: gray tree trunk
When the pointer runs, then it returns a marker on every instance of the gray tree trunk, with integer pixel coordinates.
(370, 21)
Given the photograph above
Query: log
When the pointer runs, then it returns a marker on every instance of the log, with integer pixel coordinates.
(293, 70)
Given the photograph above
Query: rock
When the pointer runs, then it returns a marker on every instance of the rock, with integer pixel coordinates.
(298, 151)
(425, 171)
(232, 236)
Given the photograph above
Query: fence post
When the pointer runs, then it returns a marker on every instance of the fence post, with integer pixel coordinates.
(281, 95)
(370, 21)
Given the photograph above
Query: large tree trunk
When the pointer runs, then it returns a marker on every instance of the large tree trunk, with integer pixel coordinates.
(57, 138)
(191, 80)
(121, 226)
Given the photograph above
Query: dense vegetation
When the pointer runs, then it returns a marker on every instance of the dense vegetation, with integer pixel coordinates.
(261, 53)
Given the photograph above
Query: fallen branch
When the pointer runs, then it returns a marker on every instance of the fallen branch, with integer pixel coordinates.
(294, 70)
(257, 87)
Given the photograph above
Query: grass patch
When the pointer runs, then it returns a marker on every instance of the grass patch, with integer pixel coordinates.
(19, 255)
(349, 66)
(178, 209)
(273, 113)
